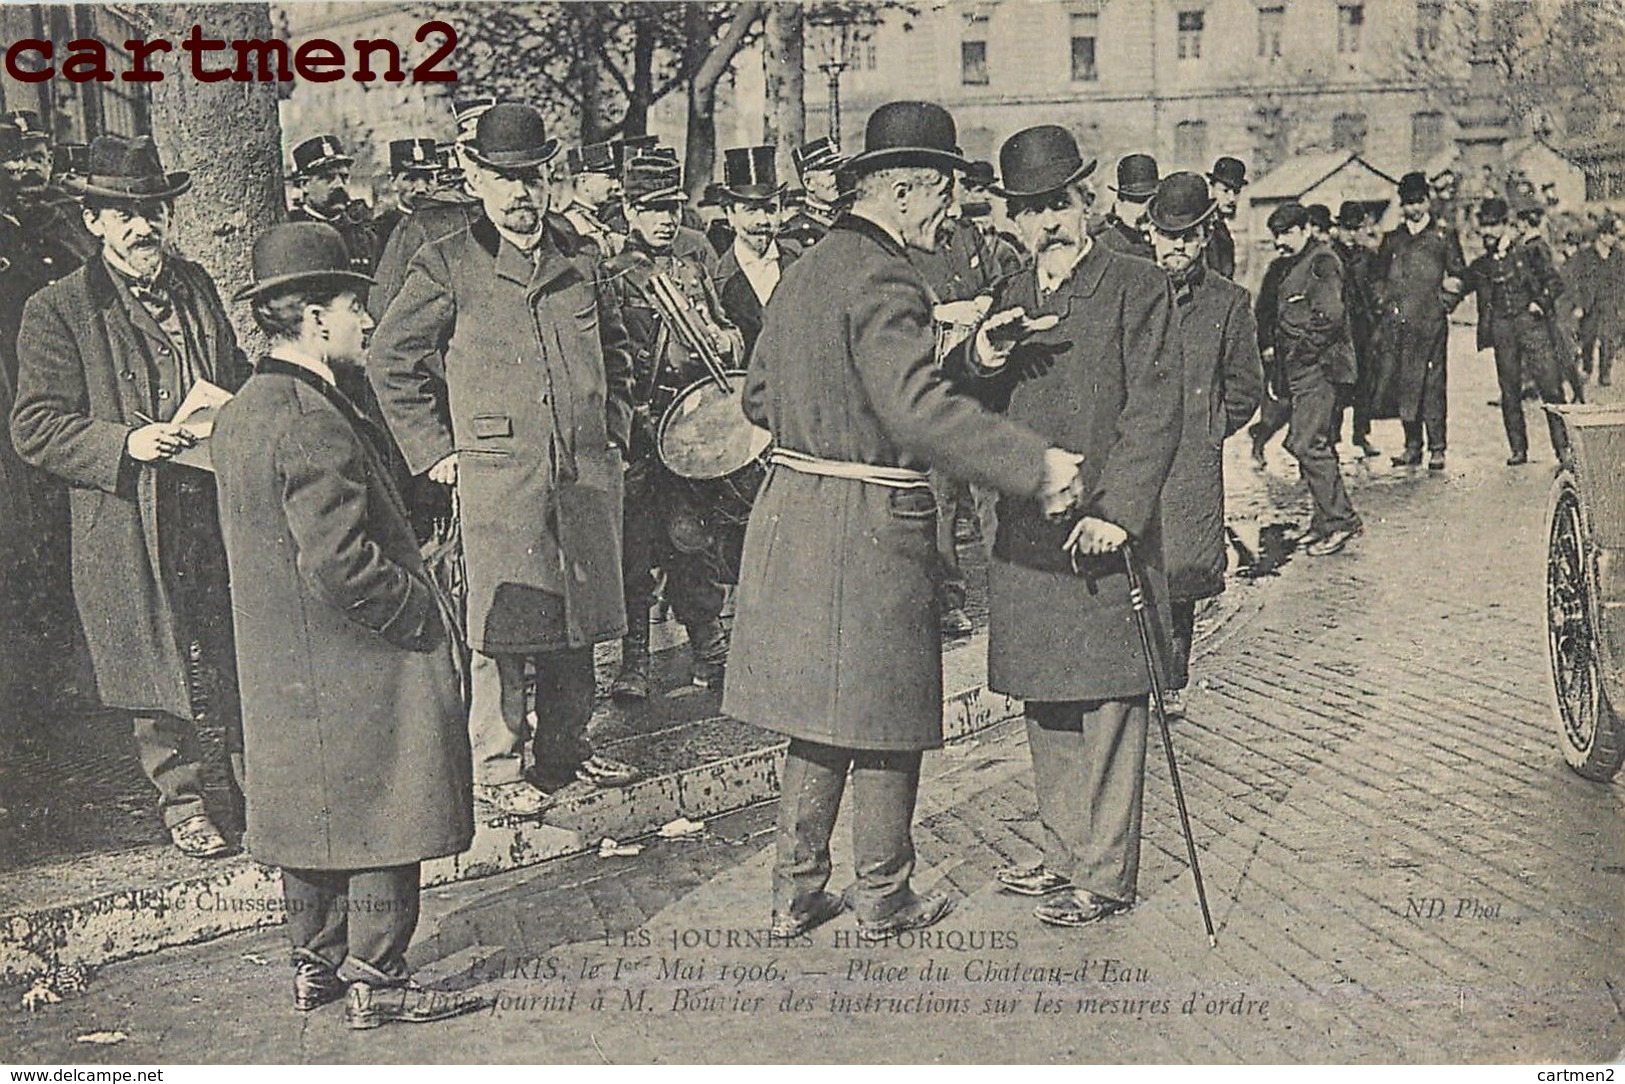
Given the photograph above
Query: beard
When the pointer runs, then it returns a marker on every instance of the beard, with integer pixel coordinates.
(144, 256)
(1057, 253)
(523, 218)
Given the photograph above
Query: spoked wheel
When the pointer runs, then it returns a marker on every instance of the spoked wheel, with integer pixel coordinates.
(1588, 729)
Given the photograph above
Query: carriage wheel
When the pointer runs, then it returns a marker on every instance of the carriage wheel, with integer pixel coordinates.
(1588, 729)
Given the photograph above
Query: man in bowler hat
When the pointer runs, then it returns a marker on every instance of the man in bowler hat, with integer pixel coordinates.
(1227, 178)
(836, 642)
(352, 703)
(1061, 625)
(1122, 229)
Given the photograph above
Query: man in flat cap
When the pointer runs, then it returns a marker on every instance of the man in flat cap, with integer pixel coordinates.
(1122, 229)
(1351, 237)
(505, 328)
(836, 641)
(321, 169)
(1417, 275)
(1227, 178)
(1061, 626)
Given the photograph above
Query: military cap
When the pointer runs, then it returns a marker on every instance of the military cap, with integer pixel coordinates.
(413, 155)
(653, 180)
(318, 152)
(28, 125)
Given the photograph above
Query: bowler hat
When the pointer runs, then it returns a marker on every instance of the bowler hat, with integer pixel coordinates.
(1320, 215)
(908, 134)
(1136, 177)
(511, 136)
(1230, 172)
(297, 253)
(653, 180)
(1492, 211)
(1183, 200)
(118, 169)
(1288, 216)
(980, 175)
(1041, 159)
(408, 155)
(1413, 187)
(592, 158)
(817, 154)
(1351, 214)
(749, 174)
(318, 152)
(28, 125)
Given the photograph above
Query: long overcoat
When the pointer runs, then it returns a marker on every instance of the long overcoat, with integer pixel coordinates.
(1594, 286)
(1106, 382)
(355, 742)
(84, 375)
(1408, 273)
(836, 639)
(519, 365)
(1223, 383)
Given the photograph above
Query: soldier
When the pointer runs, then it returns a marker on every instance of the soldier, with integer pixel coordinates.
(321, 169)
(1122, 229)
(749, 268)
(1227, 177)
(413, 164)
(1303, 332)
(594, 187)
(1517, 289)
(1223, 382)
(1594, 279)
(507, 331)
(1417, 276)
(818, 163)
(1349, 240)
(107, 355)
(663, 524)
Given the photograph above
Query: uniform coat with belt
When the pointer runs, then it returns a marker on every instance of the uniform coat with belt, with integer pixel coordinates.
(1105, 382)
(354, 737)
(836, 638)
(517, 362)
(87, 365)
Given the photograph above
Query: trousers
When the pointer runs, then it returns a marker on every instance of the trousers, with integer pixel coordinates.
(1523, 351)
(496, 716)
(358, 922)
(1313, 401)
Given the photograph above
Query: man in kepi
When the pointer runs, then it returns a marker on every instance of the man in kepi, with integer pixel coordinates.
(836, 635)
(412, 167)
(353, 720)
(106, 356)
(1304, 336)
(504, 328)
(322, 171)
(1084, 346)
(594, 186)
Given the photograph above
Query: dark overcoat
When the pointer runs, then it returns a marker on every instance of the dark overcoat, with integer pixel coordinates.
(1106, 382)
(520, 365)
(355, 742)
(84, 373)
(738, 297)
(1594, 287)
(1224, 381)
(836, 638)
(1408, 273)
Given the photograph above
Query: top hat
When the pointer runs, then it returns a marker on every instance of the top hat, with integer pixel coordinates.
(1183, 200)
(413, 155)
(511, 136)
(1413, 187)
(1492, 211)
(27, 124)
(1288, 216)
(1351, 214)
(653, 180)
(1230, 172)
(1320, 215)
(318, 152)
(1136, 177)
(1039, 160)
(816, 154)
(749, 175)
(908, 134)
(126, 169)
(592, 158)
(296, 253)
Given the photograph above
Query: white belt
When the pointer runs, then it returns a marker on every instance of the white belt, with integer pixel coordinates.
(890, 477)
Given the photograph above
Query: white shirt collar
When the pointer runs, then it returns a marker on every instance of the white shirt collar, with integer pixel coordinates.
(127, 271)
(524, 243)
(761, 271)
(1416, 228)
(294, 356)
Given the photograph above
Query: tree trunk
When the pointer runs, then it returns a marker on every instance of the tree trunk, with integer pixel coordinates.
(589, 77)
(784, 122)
(646, 32)
(226, 134)
(709, 63)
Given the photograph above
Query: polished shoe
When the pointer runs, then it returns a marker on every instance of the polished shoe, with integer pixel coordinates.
(917, 914)
(1517, 459)
(600, 771)
(1411, 458)
(1031, 880)
(822, 908)
(367, 1006)
(515, 799)
(1436, 461)
(1080, 908)
(956, 622)
(1367, 449)
(632, 683)
(1173, 704)
(197, 837)
(315, 984)
(1331, 542)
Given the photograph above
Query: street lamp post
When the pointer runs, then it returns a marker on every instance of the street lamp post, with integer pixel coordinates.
(833, 69)
(839, 35)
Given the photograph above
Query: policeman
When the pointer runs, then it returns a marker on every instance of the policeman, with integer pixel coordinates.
(412, 167)
(818, 163)
(321, 169)
(48, 216)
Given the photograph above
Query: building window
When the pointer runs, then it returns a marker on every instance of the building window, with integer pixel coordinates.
(1189, 45)
(1348, 132)
(1271, 20)
(1350, 21)
(1085, 31)
(869, 56)
(973, 63)
(1190, 142)
(1427, 135)
(1429, 19)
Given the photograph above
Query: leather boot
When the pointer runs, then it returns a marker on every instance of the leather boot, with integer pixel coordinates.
(708, 644)
(632, 683)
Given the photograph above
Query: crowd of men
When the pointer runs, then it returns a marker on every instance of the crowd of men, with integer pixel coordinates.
(508, 352)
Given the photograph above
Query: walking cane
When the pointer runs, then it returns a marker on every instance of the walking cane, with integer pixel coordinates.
(1136, 595)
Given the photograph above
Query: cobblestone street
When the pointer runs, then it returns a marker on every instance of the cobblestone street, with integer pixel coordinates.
(1401, 868)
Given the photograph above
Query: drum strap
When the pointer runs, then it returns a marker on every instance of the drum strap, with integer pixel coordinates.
(873, 474)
